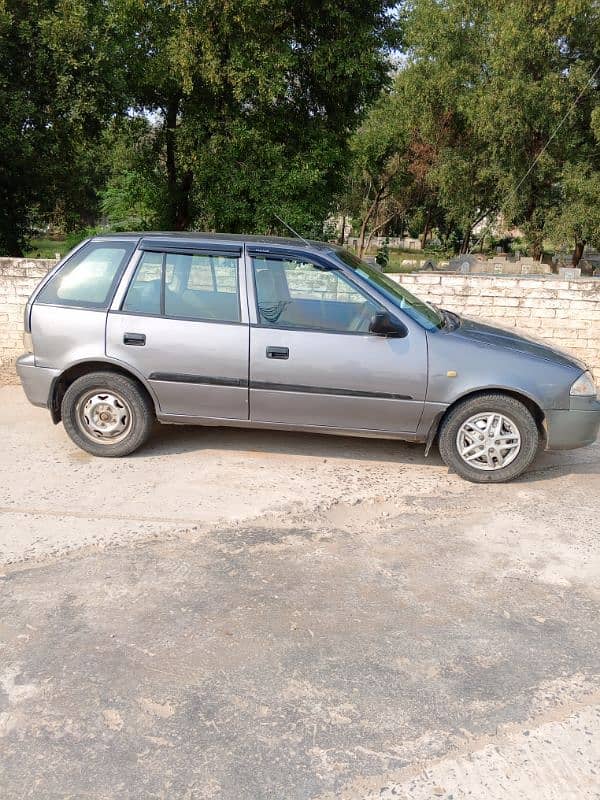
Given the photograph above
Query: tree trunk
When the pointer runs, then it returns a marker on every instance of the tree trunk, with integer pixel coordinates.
(578, 253)
(426, 229)
(171, 165)
(376, 228)
(184, 217)
(361, 237)
(370, 213)
(178, 211)
(13, 248)
(342, 235)
(464, 245)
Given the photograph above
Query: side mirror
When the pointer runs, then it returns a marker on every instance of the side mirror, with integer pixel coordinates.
(383, 324)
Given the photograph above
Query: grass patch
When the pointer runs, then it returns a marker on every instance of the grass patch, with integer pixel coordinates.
(396, 266)
(397, 256)
(46, 248)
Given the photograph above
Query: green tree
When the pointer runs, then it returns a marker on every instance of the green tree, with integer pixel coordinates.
(56, 90)
(252, 102)
(418, 150)
(379, 173)
(133, 194)
(575, 222)
(540, 59)
(25, 87)
(493, 99)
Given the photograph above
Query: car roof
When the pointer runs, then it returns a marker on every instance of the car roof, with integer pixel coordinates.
(189, 238)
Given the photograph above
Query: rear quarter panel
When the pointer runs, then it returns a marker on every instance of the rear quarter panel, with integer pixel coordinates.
(64, 336)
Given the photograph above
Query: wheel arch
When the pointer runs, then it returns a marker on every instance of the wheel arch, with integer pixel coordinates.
(62, 382)
(529, 402)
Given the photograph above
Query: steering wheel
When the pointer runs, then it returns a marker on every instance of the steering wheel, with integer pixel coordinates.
(363, 316)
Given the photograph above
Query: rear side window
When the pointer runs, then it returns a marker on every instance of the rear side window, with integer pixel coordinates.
(89, 279)
(188, 286)
(143, 295)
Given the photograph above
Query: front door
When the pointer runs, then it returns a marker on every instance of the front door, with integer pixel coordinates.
(313, 361)
(181, 326)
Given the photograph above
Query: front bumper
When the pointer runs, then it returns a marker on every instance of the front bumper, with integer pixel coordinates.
(575, 427)
(36, 381)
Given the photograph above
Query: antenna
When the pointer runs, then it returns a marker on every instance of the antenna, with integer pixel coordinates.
(289, 227)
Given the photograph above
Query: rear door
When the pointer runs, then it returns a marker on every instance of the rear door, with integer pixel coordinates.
(182, 325)
(313, 361)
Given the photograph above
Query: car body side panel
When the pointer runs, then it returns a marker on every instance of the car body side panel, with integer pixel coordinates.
(195, 368)
(360, 433)
(64, 336)
(459, 366)
(338, 380)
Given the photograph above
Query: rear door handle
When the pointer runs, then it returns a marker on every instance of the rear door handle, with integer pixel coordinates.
(278, 352)
(135, 339)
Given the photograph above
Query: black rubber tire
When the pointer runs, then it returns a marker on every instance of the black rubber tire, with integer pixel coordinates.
(492, 402)
(142, 413)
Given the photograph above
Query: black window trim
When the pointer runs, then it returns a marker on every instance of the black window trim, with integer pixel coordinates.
(163, 283)
(281, 254)
(309, 330)
(217, 251)
(162, 246)
(74, 307)
(177, 319)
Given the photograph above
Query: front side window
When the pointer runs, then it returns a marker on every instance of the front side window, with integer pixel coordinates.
(203, 287)
(424, 313)
(89, 278)
(301, 294)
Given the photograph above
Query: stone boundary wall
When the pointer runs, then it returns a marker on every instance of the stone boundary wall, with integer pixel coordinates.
(18, 279)
(562, 313)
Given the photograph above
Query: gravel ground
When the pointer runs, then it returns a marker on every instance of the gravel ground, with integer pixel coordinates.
(247, 615)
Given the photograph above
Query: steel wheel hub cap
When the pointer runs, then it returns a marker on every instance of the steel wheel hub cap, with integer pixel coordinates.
(104, 417)
(488, 441)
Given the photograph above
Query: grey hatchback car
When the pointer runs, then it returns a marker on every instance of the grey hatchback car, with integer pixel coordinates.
(271, 333)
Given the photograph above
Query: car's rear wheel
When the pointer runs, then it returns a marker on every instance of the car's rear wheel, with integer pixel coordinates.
(490, 438)
(107, 414)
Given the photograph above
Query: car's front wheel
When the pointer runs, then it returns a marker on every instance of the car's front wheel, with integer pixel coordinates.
(490, 438)
(107, 414)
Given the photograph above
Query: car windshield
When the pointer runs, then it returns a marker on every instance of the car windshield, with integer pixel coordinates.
(419, 310)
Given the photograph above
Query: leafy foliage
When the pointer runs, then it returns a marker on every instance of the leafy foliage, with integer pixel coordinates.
(575, 221)
(252, 103)
(492, 101)
(219, 115)
(56, 92)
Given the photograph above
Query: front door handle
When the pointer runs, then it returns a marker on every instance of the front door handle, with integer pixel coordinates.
(134, 339)
(278, 352)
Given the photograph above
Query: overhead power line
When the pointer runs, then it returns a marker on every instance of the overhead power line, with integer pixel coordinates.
(556, 130)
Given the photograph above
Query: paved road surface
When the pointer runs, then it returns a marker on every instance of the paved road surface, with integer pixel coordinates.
(240, 615)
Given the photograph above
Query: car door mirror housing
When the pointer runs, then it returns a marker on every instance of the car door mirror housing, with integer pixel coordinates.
(383, 324)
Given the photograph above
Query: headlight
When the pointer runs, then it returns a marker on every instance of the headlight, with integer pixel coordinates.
(584, 386)
(28, 343)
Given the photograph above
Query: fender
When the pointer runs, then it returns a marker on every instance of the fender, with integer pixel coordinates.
(78, 368)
